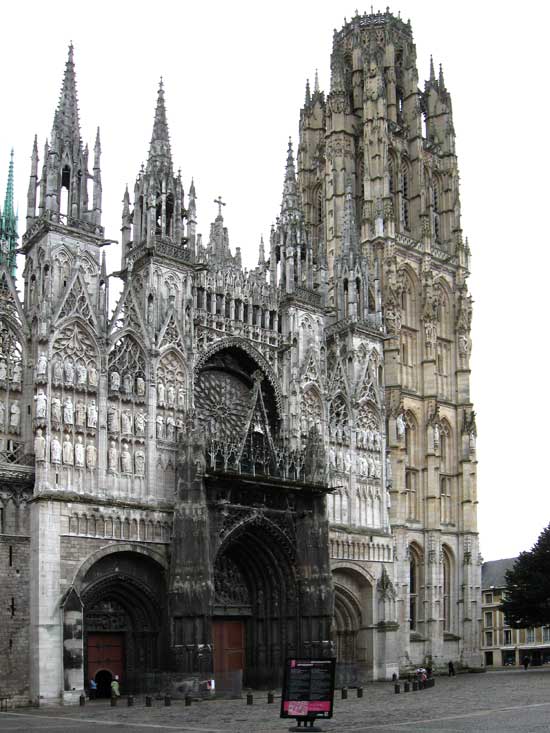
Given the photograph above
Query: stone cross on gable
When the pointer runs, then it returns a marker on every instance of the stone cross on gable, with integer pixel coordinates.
(220, 204)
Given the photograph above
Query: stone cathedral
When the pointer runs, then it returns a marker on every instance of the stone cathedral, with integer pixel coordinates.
(227, 467)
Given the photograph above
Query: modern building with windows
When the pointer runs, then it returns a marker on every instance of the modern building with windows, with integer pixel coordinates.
(503, 646)
(228, 466)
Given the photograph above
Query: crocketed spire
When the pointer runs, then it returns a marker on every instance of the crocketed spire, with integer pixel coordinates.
(160, 153)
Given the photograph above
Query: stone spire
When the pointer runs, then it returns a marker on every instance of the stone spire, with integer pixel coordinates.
(66, 122)
(160, 153)
(290, 191)
(33, 184)
(8, 223)
(97, 191)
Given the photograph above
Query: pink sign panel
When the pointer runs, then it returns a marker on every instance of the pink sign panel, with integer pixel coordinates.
(308, 689)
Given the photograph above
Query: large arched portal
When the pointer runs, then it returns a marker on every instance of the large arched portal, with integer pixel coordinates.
(124, 620)
(353, 626)
(255, 619)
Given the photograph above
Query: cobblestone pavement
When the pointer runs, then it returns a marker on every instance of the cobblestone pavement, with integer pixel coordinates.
(495, 701)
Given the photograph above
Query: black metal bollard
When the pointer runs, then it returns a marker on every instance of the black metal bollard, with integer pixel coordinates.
(113, 701)
(249, 698)
(415, 685)
(406, 687)
(359, 692)
(344, 693)
(167, 701)
(397, 688)
(270, 698)
(82, 700)
(148, 701)
(130, 701)
(188, 701)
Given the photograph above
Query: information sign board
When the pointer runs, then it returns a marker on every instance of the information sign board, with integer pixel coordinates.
(308, 688)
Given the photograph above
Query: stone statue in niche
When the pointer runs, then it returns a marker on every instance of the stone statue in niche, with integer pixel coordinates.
(437, 435)
(69, 372)
(472, 441)
(181, 398)
(126, 422)
(57, 372)
(3, 370)
(41, 365)
(80, 414)
(160, 392)
(114, 381)
(81, 375)
(139, 421)
(79, 452)
(92, 375)
(68, 414)
(15, 417)
(160, 426)
(112, 457)
(92, 414)
(140, 462)
(68, 454)
(127, 385)
(56, 409)
(56, 450)
(171, 395)
(39, 446)
(400, 425)
(90, 455)
(16, 373)
(41, 405)
(140, 387)
(112, 419)
(377, 440)
(180, 427)
(170, 428)
(2, 415)
(126, 459)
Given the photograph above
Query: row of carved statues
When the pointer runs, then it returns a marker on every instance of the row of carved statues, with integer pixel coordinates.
(67, 412)
(68, 372)
(84, 455)
(364, 465)
(128, 385)
(11, 372)
(10, 413)
(70, 454)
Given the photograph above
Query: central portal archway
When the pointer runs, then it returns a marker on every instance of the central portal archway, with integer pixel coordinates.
(255, 620)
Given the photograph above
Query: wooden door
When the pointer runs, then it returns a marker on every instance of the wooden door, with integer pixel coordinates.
(105, 651)
(229, 648)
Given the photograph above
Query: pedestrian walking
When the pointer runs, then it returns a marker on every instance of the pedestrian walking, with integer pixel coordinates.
(451, 668)
(93, 689)
(526, 661)
(115, 687)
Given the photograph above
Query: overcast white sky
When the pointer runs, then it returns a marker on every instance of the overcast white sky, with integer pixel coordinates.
(234, 76)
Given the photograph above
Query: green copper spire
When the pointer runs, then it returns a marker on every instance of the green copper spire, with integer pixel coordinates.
(8, 223)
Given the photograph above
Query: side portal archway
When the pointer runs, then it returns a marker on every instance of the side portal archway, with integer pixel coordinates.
(124, 620)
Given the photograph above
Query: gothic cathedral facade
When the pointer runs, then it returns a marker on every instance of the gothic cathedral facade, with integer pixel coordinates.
(227, 467)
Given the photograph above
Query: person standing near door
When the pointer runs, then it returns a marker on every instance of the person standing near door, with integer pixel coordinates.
(93, 689)
(115, 687)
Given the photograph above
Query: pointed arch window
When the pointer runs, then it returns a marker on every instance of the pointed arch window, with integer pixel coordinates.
(436, 212)
(405, 193)
(415, 588)
(446, 591)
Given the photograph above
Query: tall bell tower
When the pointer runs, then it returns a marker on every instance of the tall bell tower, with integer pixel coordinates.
(389, 146)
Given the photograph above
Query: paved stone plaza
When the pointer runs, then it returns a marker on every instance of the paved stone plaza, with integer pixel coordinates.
(496, 701)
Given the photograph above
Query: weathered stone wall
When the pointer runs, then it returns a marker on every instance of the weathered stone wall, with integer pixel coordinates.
(14, 618)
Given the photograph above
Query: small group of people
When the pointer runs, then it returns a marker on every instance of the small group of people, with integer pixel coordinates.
(115, 688)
